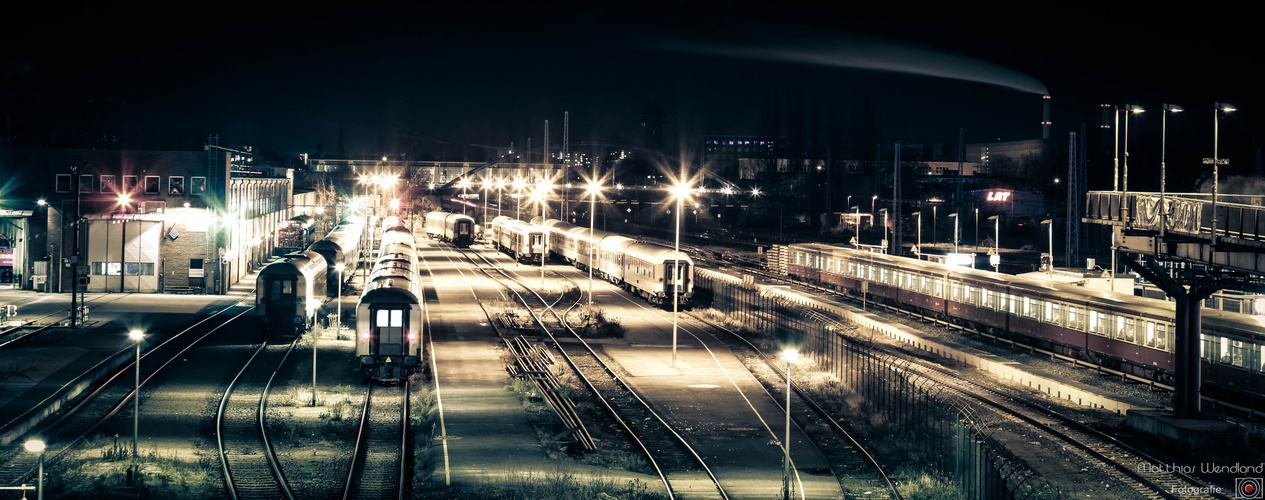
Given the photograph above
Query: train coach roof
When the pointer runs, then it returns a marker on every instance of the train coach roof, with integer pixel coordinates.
(656, 253)
(388, 294)
(306, 263)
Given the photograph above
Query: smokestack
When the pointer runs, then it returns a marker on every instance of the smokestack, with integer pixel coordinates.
(1045, 117)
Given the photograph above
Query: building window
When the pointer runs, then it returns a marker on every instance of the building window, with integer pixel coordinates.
(85, 183)
(107, 184)
(175, 185)
(129, 183)
(197, 185)
(63, 183)
(152, 183)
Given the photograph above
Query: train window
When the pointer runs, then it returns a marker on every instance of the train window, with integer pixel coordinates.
(1056, 314)
(1073, 318)
(799, 258)
(1161, 336)
(1237, 353)
(1120, 327)
(955, 291)
(937, 287)
(883, 275)
(1150, 334)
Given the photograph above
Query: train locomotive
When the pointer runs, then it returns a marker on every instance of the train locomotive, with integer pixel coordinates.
(457, 229)
(389, 314)
(1130, 334)
(289, 293)
(340, 246)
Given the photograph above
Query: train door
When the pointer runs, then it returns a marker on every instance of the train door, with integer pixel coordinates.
(282, 302)
(678, 277)
(387, 327)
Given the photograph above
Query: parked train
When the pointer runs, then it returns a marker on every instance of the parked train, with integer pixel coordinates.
(641, 268)
(520, 240)
(293, 235)
(1131, 334)
(457, 229)
(389, 314)
(340, 246)
(289, 292)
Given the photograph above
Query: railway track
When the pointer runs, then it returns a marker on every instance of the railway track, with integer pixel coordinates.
(664, 448)
(247, 459)
(110, 397)
(381, 461)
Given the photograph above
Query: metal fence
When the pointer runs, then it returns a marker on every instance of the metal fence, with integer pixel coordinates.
(911, 420)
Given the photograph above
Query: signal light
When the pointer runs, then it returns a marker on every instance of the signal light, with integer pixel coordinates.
(364, 335)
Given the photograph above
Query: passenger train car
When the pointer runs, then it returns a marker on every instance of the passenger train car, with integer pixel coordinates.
(389, 314)
(340, 246)
(641, 268)
(1131, 334)
(525, 242)
(457, 229)
(289, 293)
(293, 235)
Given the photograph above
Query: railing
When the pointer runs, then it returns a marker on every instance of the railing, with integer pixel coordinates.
(1187, 214)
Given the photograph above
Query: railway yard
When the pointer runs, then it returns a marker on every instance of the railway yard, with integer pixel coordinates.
(526, 391)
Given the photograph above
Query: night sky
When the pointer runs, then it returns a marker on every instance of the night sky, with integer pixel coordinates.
(434, 79)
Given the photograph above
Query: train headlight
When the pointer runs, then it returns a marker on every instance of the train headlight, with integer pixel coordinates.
(412, 336)
(364, 335)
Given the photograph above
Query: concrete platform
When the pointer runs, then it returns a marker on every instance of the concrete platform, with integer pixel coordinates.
(1186, 433)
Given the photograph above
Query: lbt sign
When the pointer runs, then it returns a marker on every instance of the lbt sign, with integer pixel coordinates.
(998, 196)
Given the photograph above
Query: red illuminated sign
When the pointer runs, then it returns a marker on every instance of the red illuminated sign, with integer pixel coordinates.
(998, 196)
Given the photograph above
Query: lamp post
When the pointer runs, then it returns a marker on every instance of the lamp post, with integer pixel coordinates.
(37, 446)
(955, 231)
(1124, 204)
(593, 188)
(977, 229)
(918, 248)
(1218, 109)
(1168, 108)
(518, 197)
(935, 217)
(500, 186)
(680, 191)
(543, 191)
(858, 226)
(884, 210)
(1050, 270)
(339, 267)
(996, 243)
(790, 356)
(136, 336)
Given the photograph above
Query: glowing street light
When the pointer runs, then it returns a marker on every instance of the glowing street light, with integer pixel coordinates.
(137, 336)
(465, 183)
(790, 356)
(1218, 109)
(1124, 207)
(592, 188)
(955, 232)
(37, 446)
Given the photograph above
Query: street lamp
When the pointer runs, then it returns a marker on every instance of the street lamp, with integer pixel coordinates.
(542, 193)
(136, 335)
(857, 243)
(955, 231)
(680, 191)
(996, 257)
(1218, 109)
(593, 188)
(1124, 205)
(339, 267)
(918, 249)
(487, 181)
(518, 184)
(1168, 108)
(790, 356)
(37, 446)
(872, 200)
(1050, 269)
(884, 210)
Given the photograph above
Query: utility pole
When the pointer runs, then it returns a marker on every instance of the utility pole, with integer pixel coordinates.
(74, 259)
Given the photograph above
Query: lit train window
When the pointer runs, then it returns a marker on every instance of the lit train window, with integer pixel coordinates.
(1150, 334)
(799, 258)
(1056, 314)
(1119, 327)
(1161, 336)
(939, 288)
(1095, 322)
(955, 291)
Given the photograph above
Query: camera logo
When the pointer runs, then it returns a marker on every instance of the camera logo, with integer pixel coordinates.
(1249, 487)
